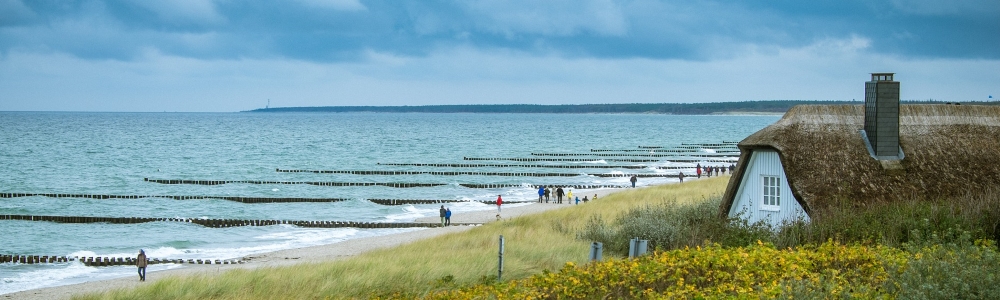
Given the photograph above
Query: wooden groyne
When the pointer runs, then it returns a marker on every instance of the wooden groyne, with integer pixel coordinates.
(419, 201)
(319, 183)
(413, 201)
(562, 159)
(510, 185)
(101, 261)
(175, 197)
(33, 259)
(728, 161)
(723, 144)
(647, 150)
(504, 166)
(662, 151)
(218, 223)
(468, 185)
(634, 155)
(455, 173)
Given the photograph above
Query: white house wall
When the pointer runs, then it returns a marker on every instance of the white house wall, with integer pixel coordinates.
(751, 191)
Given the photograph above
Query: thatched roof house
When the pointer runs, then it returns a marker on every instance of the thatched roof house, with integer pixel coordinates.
(818, 155)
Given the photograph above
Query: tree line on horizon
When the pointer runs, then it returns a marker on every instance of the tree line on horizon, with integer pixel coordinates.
(768, 106)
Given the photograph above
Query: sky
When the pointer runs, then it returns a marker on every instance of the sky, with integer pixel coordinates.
(232, 55)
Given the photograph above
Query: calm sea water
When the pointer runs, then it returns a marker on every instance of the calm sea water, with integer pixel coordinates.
(111, 153)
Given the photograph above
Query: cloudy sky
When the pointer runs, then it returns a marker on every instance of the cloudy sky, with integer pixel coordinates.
(232, 55)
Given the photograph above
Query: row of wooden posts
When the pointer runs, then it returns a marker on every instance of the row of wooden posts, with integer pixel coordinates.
(244, 199)
(320, 183)
(504, 166)
(457, 173)
(391, 184)
(100, 261)
(176, 197)
(561, 159)
(665, 151)
(604, 159)
(220, 223)
(698, 145)
(639, 155)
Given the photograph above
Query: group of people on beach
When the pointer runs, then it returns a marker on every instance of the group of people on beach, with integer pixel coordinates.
(545, 193)
(708, 170)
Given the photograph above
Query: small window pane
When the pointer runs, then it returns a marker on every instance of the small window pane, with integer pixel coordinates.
(772, 191)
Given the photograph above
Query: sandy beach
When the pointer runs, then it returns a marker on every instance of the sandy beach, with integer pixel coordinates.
(314, 254)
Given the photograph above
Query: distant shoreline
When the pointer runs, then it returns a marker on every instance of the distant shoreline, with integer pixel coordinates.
(769, 107)
(715, 108)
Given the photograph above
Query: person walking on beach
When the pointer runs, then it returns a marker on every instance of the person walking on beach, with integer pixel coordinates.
(595, 197)
(697, 169)
(444, 212)
(577, 200)
(569, 197)
(547, 193)
(499, 202)
(559, 194)
(447, 217)
(141, 262)
(681, 176)
(585, 199)
(633, 180)
(541, 193)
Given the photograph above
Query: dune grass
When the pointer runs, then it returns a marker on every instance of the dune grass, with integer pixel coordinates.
(544, 241)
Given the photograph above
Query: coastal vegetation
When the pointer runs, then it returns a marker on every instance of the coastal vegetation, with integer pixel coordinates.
(533, 243)
(926, 250)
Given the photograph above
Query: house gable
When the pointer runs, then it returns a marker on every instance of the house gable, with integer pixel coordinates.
(763, 192)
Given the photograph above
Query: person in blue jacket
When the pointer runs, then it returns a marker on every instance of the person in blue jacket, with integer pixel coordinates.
(447, 216)
(541, 193)
(442, 212)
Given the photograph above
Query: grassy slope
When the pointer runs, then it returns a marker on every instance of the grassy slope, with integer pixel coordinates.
(533, 243)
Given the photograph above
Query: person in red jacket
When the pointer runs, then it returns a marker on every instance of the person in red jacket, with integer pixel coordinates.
(499, 203)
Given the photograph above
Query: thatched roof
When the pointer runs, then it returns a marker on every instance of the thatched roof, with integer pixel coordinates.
(950, 150)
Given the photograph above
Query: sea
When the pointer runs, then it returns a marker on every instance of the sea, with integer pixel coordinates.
(113, 154)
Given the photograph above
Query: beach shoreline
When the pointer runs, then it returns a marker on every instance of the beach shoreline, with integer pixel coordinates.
(313, 254)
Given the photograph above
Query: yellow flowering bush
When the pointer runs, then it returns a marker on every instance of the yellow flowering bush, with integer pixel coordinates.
(711, 272)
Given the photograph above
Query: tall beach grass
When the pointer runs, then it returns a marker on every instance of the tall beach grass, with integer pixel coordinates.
(544, 241)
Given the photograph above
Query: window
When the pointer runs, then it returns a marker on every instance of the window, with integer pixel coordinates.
(772, 192)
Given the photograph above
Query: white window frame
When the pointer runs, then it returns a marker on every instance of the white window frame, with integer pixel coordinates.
(770, 194)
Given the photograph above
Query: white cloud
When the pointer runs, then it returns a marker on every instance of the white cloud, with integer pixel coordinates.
(555, 18)
(344, 5)
(829, 69)
(953, 7)
(184, 12)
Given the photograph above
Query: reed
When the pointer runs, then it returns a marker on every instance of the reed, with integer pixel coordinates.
(545, 241)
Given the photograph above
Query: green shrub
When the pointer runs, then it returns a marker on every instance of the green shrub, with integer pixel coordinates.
(947, 265)
(666, 225)
(891, 223)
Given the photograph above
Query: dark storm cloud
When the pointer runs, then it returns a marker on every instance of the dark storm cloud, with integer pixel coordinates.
(341, 30)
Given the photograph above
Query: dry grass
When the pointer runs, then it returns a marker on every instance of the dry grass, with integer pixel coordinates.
(544, 241)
